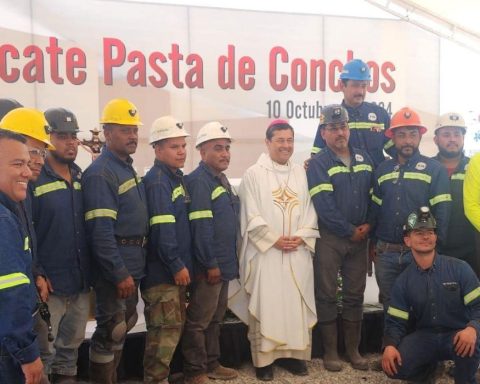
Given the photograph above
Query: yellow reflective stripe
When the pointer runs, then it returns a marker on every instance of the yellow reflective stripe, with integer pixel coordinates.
(370, 191)
(12, 280)
(315, 150)
(458, 176)
(77, 185)
(362, 167)
(50, 187)
(440, 198)
(321, 188)
(397, 313)
(388, 144)
(179, 191)
(388, 176)
(26, 244)
(127, 185)
(200, 215)
(162, 219)
(377, 200)
(365, 125)
(469, 297)
(339, 169)
(218, 191)
(94, 213)
(417, 176)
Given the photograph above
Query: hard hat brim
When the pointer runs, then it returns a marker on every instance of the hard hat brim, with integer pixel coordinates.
(389, 132)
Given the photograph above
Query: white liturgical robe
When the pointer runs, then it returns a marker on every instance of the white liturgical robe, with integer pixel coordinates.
(275, 293)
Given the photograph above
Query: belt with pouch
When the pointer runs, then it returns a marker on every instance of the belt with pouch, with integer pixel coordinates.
(136, 241)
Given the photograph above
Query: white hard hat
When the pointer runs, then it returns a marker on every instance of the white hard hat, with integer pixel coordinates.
(211, 131)
(451, 119)
(166, 127)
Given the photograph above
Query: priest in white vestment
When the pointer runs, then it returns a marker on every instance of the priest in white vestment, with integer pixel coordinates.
(274, 295)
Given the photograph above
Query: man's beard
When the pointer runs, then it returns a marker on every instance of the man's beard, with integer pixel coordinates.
(61, 159)
(448, 154)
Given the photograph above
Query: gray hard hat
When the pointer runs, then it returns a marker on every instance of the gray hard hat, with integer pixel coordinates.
(61, 120)
(332, 114)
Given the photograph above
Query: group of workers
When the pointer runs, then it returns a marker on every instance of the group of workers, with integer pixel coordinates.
(271, 251)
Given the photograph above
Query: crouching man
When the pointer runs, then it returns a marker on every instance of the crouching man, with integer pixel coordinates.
(443, 295)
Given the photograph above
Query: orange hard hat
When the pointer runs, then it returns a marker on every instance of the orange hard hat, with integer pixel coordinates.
(405, 117)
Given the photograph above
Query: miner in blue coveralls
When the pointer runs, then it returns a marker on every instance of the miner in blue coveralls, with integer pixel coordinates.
(169, 256)
(442, 294)
(116, 219)
(340, 179)
(214, 221)
(19, 353)
(402, 185)
(450, 131)
(63, 260)
(367, 121)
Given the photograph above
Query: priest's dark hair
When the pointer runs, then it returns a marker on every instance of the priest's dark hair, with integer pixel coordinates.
(277, 125)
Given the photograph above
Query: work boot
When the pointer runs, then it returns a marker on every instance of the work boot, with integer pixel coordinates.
(222, 373)
(264, 373)
(57, 378)
(328, 333)
(352, 333)
(102, 373)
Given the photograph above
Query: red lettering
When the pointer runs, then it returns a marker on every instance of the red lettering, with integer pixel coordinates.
(109, 60)
(246, 73)
(76, 60)
(318, 67)
(34, 69)
(162, 79)
(14, 74)
(277, 51)
(389, 86)
(53, 50)
(137, 75)
(334, 67)
(226, 69)
(175, 56)
(194, 76)
(299, 75)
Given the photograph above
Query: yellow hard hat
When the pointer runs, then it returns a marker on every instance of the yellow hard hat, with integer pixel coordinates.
(120, 111)
(28, 122)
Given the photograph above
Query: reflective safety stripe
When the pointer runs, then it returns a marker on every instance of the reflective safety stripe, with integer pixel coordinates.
(177, 192)
(440, 198)
(365, 125)
(77, 185)
(469, 297)
(218, 191)
(50, 187)
(418, 176)
(397, 313)
(12, 280)
(362, 167)
(388, 176)
(162, 219)
(339, 169)
(93, 214)
(388, 144)
(315, 150)
(321, 188)
(26, 243)
(370, 191)
(200, 215)
(458, 176)
(377, 200)
(129, 184)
